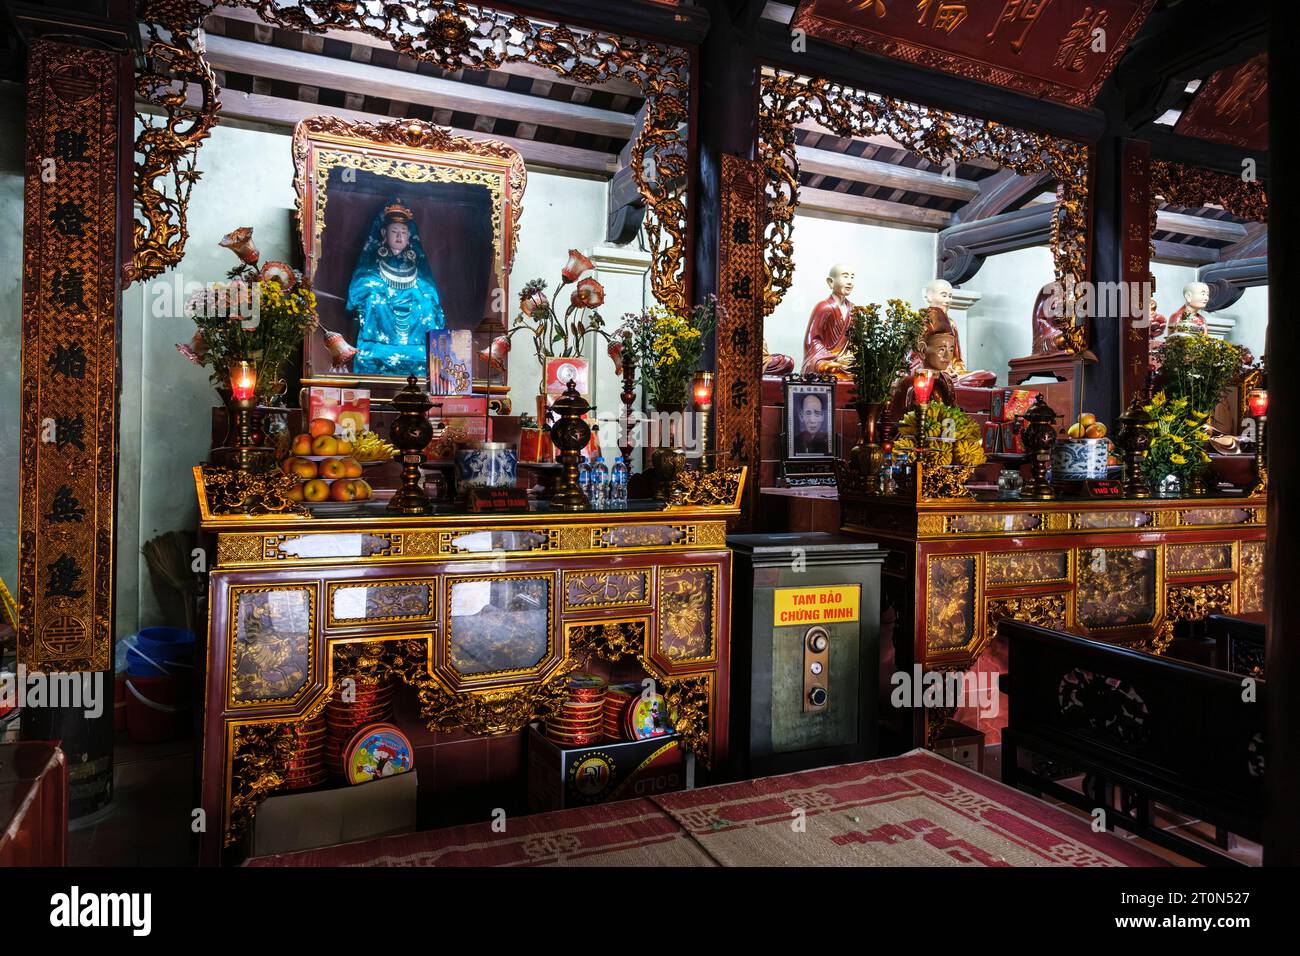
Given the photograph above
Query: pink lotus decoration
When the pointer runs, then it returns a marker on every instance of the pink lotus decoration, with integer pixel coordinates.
(240, 242)
(576, 266)
(196, 350)
(495, 354)
(615, 352)
(340, 351)
(589, 294)
(528, 304)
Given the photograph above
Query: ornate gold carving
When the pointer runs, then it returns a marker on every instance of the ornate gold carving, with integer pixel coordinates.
(272, 644)
(1116, 587)
(1178, 184)
(788, 100)
(718, 488)
(259, 752)
(994, 522)
(1198, 558)
(952, 596)
(462, 36)
(1250, 577)
(931, 524)
(598, 589)
(1026, 567)
(68, 444)
(1189, 602)
(943, 481)
(689, 701)
(711, 534)
(168, 144)
(1045, 610)
(239, 548)
(232, 492)
(608, 640)
(687, 598)
(573, 538)
(386, 600)
(641, 536)
(504, 635)
(496, 711)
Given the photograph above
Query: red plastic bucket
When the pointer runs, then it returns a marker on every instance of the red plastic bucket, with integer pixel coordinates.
(157, 708)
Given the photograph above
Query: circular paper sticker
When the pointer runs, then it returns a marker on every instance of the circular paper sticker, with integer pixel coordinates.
(647, 717)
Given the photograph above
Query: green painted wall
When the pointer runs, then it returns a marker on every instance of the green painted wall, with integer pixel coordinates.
(12, 113)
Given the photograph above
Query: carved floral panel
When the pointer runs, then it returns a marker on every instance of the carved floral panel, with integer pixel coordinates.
(397, 601)
(978, 523)
(1193, 558)
(1026, 567)
(1250, 587)
(686, 610)
(950, 602)
(271, 652)
(1113, 519)
(498, 624)
(588, 589)
(1116, 587)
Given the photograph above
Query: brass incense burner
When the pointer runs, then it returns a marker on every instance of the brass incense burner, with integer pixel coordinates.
(1039, 436)
(411, 433)
(1135, 438)
(569, 435)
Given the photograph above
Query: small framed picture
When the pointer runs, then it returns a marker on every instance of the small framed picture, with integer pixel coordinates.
(451, 362)
(561, 371)
(809, 416)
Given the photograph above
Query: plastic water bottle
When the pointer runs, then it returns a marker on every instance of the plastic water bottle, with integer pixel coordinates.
(618, 484)
(599, 484)
(584, 477)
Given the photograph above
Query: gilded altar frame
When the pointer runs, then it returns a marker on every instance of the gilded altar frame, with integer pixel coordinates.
(411, 153)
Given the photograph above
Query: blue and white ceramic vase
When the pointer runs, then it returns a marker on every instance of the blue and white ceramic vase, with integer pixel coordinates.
(488, 464)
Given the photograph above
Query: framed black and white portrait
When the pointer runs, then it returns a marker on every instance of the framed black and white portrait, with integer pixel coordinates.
(809, 416)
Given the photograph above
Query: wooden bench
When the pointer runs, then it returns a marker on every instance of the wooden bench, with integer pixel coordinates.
(1239, 644)
(1187, 737)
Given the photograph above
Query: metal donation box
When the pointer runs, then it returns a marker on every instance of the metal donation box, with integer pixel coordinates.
(805, 646)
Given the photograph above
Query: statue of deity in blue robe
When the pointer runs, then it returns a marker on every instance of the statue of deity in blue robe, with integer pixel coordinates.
(394, 298)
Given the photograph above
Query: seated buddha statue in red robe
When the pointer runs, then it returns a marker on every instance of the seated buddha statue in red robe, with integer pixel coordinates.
(1196, 296)
(826, 343)
(938, 298)
(937, 357)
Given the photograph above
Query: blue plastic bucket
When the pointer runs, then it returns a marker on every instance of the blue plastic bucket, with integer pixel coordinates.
(159, 651)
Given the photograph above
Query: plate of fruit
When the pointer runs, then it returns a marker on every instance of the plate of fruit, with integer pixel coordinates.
(325, 467)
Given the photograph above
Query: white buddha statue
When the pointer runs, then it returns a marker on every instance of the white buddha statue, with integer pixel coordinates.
(1196, 296)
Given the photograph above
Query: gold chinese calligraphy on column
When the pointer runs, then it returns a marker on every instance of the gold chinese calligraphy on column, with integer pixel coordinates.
(69, 358)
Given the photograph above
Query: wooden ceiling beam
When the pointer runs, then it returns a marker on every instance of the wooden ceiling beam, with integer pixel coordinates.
(859, 169)
(862, 207)
(277, 111)
(363, 79)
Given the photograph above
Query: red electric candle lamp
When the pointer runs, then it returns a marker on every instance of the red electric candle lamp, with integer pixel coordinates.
(1257, 399)
(243, 390)
(922, 387)
(702, 393)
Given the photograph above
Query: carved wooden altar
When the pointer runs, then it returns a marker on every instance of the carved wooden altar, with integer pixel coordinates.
(298, 603)
(1123, 571)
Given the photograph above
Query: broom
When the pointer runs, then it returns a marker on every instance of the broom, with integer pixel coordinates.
(170, 556)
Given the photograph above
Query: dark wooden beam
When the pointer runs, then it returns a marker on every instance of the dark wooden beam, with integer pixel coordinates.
(677, 24)
(1180, 43)
(963, 248)
(1228, 280)
(891, 77)
(1004, 191)
(1168, 145)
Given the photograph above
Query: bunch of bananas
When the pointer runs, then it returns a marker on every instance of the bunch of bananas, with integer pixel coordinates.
(370, 447)
(951, 433)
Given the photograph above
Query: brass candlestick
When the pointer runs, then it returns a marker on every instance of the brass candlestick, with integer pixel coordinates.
(569, 435)
(1135, 438)
(1257, 399)
(702, 393)
(411, 433)
(1039, 436)
(243, 392)
(628, 398)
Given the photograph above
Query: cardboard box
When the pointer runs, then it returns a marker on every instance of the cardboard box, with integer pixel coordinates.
(561, 777)
(459, 406)
(291, 821)
(348, 408)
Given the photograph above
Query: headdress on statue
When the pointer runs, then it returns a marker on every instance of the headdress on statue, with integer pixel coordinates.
(396, 212)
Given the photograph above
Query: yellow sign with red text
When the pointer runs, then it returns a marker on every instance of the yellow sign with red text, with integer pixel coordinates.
(828, 604)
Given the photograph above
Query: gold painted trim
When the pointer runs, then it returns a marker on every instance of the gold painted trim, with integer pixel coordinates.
(584, 647)
(430, 583)
(233, 594)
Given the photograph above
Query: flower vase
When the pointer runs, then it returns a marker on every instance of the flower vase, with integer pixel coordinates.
(866, 454)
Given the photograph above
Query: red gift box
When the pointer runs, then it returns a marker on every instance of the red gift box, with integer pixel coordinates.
(535, 445)
(1016, 401)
